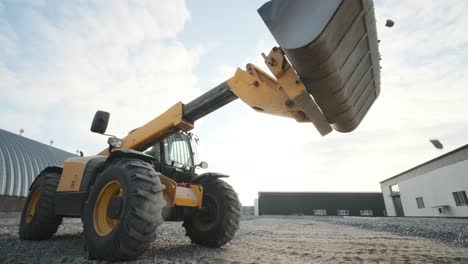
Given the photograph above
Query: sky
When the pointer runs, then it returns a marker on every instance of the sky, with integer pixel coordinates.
(60, 61)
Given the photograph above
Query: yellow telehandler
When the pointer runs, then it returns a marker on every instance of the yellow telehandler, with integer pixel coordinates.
(325, 71)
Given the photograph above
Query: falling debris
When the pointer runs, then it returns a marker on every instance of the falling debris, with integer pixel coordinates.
(389, 23)
(437, 144)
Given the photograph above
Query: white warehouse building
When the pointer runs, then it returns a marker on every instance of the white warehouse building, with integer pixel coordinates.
(437, 188)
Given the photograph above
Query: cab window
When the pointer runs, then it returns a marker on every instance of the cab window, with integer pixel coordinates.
(155, 151)
(177, 151)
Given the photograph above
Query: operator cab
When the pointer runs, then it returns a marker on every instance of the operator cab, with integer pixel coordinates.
(176, 156)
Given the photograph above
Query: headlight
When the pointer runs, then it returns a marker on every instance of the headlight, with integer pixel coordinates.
(115, 142)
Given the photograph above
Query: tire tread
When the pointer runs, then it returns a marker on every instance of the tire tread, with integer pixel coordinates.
(228, 226)
(145, 203)
(44, 223)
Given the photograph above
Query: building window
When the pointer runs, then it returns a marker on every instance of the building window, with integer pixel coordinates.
(320, 212)
(420, 202)
(460, 198)
(366, 212)
(343, 212)
(394, 188)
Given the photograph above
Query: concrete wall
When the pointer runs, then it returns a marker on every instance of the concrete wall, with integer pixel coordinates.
(247, 210)
(389, 208)
(435, 187)
(256, 212)
(11, 204)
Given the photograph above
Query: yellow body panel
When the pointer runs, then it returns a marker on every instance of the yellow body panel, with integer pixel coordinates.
(198, 189)
(194, 200)
(285, 96)
(296, 90)
(172, 119)
(284, 73)
(181, 196)
(261, 92)
(73, 169)
(169, 192)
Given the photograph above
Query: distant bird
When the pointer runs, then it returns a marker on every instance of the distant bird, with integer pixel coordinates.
(437, 144)
(389, 23)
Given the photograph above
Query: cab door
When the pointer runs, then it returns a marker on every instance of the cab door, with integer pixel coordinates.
(177, 158)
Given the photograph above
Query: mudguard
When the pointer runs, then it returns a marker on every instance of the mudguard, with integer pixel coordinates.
(93, 167)
(56, 169)
(207, 177)
(130, 153)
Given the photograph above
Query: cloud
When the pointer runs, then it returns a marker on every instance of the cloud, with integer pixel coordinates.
(62, 60)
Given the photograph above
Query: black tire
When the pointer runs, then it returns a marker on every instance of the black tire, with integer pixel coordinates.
(44, 223)
(218, 221)
(140, 212)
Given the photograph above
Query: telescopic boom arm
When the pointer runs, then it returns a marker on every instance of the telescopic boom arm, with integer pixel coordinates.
(285, 96)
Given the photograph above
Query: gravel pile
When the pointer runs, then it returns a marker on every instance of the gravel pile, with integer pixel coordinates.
(453, 231)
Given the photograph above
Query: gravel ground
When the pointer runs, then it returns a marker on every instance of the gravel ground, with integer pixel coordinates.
(260, 240)
(453, 231)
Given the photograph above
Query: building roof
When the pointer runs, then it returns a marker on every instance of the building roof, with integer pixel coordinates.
(21, 160)
(449, 158)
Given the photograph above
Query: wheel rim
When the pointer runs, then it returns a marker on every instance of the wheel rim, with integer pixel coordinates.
(207, 217)
(103, 224)
(31, 211)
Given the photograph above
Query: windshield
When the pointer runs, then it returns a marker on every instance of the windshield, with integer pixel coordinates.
(178, 151)
(154, 151)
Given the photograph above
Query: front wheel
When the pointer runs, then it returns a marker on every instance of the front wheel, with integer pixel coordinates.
(123, 210)
(216, 223)
(38, 220)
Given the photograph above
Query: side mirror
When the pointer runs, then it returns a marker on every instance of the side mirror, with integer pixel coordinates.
(203, 165)
(100, 122)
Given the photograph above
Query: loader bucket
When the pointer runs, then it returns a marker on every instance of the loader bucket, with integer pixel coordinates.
(332, 45)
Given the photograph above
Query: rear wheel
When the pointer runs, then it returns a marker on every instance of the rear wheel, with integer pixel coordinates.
(216, 223)
(38, 220)
(123, 210)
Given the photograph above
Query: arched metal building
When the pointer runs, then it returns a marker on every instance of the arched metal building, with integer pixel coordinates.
(21, 160)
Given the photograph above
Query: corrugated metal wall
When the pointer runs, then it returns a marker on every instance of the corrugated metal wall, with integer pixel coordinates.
(283, 203)
(21, 160)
